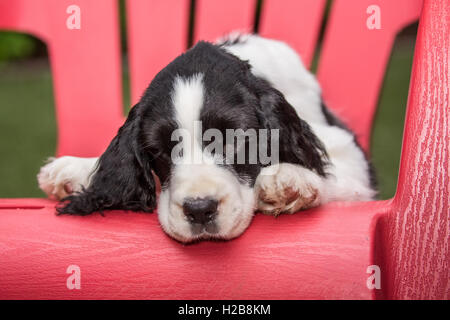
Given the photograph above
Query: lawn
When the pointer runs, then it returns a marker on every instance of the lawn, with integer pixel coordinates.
(28, 128)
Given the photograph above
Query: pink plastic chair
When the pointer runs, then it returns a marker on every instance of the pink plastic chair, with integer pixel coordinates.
(322, 253)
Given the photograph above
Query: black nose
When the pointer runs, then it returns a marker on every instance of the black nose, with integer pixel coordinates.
(200, 210)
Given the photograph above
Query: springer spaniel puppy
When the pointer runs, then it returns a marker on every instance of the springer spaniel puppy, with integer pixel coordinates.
(242, 86)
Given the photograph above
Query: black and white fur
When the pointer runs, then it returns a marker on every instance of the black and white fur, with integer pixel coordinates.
(244, 81)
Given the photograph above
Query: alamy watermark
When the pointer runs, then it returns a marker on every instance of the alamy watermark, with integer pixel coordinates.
(238, 146)
(74, 280)
(373, 22)
(73, 21)
(374, 280)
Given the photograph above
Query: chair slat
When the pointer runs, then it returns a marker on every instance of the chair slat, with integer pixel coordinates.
(354, 58)
(157, 33)
(295, 22)
(214, 19)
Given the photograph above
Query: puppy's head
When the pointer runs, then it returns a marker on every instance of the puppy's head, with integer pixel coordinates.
(206, 191)
(206, 126)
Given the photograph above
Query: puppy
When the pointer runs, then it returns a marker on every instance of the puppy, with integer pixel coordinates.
(228, 128)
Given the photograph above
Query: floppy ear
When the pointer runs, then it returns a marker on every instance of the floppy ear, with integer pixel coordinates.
(122, 179)
(297, 142)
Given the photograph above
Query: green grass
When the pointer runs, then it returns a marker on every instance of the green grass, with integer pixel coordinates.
(387, 132)
(28, 128)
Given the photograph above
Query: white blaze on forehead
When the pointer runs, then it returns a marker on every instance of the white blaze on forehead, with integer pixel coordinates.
(187, 99)
(196, 175)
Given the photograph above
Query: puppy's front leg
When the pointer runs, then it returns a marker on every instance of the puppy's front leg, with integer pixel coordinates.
(287, 188)
(63, 176)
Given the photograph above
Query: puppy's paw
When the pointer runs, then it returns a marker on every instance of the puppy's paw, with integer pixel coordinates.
(63, 176)
(286, 188)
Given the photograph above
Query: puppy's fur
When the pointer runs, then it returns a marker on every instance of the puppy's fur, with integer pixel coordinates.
(241, 82)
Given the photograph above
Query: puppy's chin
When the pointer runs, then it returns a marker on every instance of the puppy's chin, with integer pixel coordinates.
(234, 216)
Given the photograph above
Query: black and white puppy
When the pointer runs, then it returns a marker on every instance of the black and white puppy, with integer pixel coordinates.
(243, 83)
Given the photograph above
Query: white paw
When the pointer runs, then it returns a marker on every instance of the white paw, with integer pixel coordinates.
(62, 176)
(287, 188)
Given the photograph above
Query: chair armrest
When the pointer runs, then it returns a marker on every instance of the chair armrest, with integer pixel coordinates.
(320, 253)
(417, 229)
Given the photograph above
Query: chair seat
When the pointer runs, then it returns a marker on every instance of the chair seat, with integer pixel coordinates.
(319, 253)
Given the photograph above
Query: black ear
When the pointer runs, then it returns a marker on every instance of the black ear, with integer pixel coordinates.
(123, 178)
(297, 142)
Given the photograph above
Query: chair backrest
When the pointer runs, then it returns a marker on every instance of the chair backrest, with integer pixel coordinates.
(353, 57)
(85, 62)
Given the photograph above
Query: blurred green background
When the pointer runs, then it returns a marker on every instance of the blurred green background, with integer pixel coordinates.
(28, 128)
